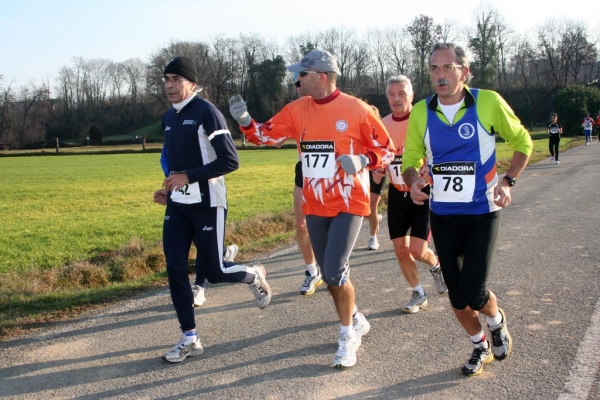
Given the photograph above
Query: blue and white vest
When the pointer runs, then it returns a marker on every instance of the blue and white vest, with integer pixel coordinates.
(462, 164)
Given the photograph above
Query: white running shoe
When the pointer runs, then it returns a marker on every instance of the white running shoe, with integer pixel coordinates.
(231, 252)
(345, 355)
(183, 349)
(438, 279)
(260, 287)
(199, 297)
(310, 283)
(558, 162)
(361, 326)
(373, 243)
(416, 303)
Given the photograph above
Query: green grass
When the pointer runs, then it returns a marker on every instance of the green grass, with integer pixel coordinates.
(66, 209)
(152, 131)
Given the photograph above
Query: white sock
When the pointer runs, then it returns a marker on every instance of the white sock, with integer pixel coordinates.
(345, 330)
(419, 289)
(495, 321)
(479, 339)
(312, 269)
(190, 336)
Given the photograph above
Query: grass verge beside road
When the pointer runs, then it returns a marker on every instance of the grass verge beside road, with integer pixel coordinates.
(82, 230)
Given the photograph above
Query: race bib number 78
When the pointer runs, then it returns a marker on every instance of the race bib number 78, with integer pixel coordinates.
(453, 182)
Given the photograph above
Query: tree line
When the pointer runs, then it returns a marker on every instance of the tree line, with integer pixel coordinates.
(528, 69)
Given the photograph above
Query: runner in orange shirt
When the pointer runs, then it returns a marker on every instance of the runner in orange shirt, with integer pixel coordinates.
(408, 223)
(338, 137)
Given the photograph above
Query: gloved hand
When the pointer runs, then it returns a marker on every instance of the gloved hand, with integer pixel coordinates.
(239, 110)
(352, 164)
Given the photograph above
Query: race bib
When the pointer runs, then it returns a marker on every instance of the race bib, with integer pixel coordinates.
(554, 130)
(187, 194)
(318, 159)
(395, 170)
(453, 182)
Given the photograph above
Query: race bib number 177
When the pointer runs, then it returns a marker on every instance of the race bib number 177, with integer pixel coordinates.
(318, 159)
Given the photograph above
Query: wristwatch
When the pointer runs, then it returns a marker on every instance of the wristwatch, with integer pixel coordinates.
(511, 181)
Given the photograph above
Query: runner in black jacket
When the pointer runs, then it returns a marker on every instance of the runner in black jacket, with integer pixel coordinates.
(197, 153)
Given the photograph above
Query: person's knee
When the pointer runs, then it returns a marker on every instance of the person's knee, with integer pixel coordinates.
(336, 279)
(301, 228)
(402, 252)
(418, 252)
(475, 299)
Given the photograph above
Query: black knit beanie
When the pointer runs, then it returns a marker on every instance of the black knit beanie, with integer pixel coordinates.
(182, 66)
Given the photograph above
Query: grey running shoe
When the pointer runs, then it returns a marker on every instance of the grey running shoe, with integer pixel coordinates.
(345, 355)
(260, 287)
(231, 252)
(438, 279)
(552, 158)
(199, 297)
(501, 340)
(361, 326)
(310, 283)
(373, 243)
(479, 357)
(416, 302)
(182, 350)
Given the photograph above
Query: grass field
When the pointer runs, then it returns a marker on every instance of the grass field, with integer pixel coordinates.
(75, 228)
(62, 209)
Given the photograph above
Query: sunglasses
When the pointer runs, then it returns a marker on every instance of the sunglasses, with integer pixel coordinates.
(304, 73)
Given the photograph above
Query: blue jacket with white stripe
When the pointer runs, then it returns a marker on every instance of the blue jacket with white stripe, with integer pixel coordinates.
(198, 142)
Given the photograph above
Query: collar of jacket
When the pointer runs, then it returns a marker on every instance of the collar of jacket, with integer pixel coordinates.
(469, 99)
(179, 106)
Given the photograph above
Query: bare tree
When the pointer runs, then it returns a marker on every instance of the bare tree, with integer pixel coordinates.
(399, 51)
(362, 65)
(379, 52)
(424, 33)
(484, 47)
(341, 42)
(6, 98)
(221, 66)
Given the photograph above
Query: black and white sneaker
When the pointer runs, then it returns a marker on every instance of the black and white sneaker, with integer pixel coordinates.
(479, 357)
(501, 340)
(311, 283)
(438, 279)
(183, 349)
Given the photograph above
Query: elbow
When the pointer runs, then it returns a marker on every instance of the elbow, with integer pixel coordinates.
(233, 164)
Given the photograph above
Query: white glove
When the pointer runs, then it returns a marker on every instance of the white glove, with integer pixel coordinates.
(352, 164)
(239, 110)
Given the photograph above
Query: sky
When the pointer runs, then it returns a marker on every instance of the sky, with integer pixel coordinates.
(38, 37)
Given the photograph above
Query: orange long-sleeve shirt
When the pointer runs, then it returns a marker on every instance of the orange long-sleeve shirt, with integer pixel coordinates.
(325, 129)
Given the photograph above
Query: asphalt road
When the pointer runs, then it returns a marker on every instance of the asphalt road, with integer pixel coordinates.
(546, 274)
